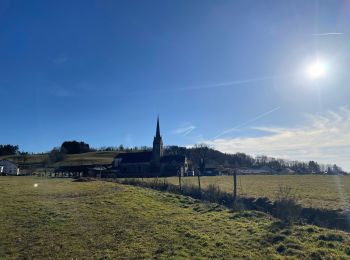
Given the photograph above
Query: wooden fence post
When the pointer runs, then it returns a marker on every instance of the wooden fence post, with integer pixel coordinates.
(179, 173)
(234, 186)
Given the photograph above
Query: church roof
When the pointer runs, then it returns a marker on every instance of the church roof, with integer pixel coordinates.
(4, 161)
(136, 157)
(173, 158)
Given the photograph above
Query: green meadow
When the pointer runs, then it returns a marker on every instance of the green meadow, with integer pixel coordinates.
(59, 218)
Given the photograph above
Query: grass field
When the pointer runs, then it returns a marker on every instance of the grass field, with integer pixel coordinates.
(36, 160)
(331, 192)
(64, 219)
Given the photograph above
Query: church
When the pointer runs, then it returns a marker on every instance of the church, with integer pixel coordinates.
(150, 163)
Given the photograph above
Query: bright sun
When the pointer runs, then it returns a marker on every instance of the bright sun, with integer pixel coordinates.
(317, 69)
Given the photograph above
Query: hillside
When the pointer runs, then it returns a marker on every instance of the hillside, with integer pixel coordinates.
(38, 160)
(64, 219)
(226, 163)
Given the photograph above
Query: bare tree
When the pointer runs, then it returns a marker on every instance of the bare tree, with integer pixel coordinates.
(203, 153)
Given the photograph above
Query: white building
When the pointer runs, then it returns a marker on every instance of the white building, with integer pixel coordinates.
(8, 168)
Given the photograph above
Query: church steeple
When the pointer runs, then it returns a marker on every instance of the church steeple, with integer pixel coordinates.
(158, 129)
(157, 145)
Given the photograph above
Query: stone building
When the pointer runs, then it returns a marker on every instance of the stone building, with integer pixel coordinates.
(150, 163)
(8, 168)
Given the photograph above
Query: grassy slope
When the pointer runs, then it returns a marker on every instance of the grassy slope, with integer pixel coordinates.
(65, 219)
(70, 159)
(89, 158)
(332, 192)
(30, 159)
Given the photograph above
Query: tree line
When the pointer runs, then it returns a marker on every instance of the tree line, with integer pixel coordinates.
(239, 160)
(8, 149)
(195, 155)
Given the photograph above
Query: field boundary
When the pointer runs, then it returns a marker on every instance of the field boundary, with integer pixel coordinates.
(285, 209)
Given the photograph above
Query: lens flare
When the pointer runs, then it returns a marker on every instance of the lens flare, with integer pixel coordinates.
(317, 70)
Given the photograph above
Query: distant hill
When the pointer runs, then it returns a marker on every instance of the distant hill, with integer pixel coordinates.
(263, 164)
(213, 158)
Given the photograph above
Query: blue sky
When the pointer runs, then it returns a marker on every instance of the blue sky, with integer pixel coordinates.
(228, 73)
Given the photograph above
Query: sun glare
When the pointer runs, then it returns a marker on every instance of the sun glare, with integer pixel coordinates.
(317, 69)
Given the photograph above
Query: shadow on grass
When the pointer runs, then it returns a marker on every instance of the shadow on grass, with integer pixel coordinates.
(83, 179)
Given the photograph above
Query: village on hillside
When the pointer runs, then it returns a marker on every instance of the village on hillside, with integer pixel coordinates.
(159, 161)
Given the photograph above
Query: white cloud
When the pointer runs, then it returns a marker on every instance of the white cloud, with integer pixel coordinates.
(227, 131)
(231, 83)
(325, 139)
(327, 34)
(183, 131)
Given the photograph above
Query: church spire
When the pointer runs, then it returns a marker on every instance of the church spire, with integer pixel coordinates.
(158, 129)
(157, 146)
